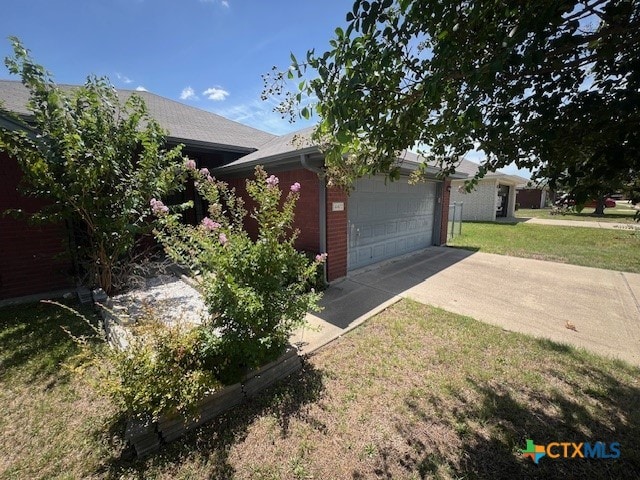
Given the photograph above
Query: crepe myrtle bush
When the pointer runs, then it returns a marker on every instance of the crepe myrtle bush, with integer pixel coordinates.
(96, 160)
(256, 290)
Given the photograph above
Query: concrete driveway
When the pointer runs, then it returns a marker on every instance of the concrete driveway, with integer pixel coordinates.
(530, 296)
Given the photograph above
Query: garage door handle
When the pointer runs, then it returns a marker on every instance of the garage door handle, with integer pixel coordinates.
(355, 233)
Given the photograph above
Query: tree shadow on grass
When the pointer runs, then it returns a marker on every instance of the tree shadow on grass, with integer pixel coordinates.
(33, 342)
(487, 427)
(213, 441)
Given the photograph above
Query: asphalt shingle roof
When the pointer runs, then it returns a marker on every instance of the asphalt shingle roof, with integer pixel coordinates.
(300, 141)
(284, 145)
(183, 122)
(471, 168)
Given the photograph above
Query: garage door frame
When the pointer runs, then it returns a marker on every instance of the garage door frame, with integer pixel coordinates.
(416, 209)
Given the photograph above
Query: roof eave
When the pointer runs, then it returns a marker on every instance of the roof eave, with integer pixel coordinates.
(209, 145)
(289, 158)
(430, 171)
(11, 123)
(458, 176)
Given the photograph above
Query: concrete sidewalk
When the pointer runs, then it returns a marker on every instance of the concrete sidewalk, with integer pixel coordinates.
(583, 224)
(530, 296)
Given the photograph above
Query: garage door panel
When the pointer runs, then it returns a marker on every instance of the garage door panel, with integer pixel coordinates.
(389, 220)
(365, 233)
(379, 230)
(366, 210)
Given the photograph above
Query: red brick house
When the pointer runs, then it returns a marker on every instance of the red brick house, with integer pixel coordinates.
(378, 220)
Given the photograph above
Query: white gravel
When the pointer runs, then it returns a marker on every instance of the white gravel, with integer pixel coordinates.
(171, 299)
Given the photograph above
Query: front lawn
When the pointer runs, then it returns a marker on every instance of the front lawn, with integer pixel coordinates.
(623, 212)
(52, 424)
(416, 392)
(590, 247)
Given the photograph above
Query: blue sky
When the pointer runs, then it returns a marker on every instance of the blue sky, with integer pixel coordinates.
(206, 53)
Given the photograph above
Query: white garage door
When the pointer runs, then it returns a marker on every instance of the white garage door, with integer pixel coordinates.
(389, 220)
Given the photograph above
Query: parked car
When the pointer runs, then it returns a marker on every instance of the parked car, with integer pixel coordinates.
(608, 203)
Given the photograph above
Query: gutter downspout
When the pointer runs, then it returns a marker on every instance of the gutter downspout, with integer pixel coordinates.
(322, 211)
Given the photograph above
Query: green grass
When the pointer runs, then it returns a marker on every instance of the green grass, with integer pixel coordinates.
(591, 247)
(621, 213)
(416, 392)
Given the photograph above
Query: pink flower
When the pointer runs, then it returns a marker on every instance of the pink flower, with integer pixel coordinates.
(157, 207)
(321, 257)
(190, 164)
(205, 172)
(273, 181)
(210, 224)
(223, 239)
(295, 188)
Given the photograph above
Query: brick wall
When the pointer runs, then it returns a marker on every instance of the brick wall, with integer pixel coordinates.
(336, 235)
(444, 216)
(307, 219)
(27, 263)
(480, 204)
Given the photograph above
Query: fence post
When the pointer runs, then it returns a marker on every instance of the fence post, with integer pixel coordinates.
(452, 221)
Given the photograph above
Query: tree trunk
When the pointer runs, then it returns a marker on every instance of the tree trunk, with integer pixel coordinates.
(599, 206)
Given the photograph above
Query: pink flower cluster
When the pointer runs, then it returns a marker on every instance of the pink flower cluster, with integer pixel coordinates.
(158, 208)
(190, 164)
(223, 239)
(210, 224)
(206, 174)
(295, 188)
(321, 257)
(273, 181)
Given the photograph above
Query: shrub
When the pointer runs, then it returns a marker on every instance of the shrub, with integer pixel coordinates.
(96, 161)
(162, 370)
(256, 290)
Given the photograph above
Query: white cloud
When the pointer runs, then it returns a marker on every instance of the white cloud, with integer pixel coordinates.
(188, 93)
(259, 114)
(140, 88)
(224, 3)
(216, 94)
(123, 78)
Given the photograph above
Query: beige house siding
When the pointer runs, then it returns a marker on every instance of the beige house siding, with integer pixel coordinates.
(481, 203)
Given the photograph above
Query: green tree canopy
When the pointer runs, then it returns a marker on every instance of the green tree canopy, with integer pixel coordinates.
(97, 161)
(550, 85)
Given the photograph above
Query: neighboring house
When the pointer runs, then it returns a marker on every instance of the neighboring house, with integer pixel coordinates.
(378, 220)
(533, 197)
(493, 197)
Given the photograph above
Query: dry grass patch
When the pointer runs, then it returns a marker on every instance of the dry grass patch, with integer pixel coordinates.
(52, 424)
(416, 392)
